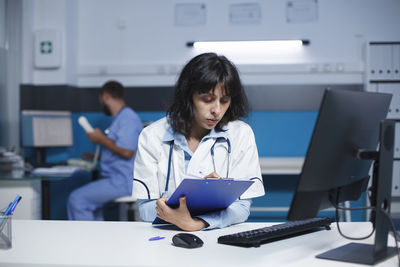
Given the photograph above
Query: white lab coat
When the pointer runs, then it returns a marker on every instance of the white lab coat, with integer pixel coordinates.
(151, 162)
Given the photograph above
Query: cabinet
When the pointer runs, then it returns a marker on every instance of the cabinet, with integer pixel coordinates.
(383, 75)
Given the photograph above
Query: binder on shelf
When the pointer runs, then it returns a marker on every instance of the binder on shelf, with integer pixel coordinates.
(394, 89)
(396, 179)
(373, 87)
(373, 61)
(396, 62)
(207, 195)
(381, 61)
(387, 65)
(396, 153)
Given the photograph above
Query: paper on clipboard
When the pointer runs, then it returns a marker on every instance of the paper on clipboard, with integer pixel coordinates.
(207, 195)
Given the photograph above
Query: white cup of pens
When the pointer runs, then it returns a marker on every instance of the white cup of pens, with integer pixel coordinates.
(6, 222)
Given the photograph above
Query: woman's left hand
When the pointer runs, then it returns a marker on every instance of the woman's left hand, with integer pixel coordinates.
(213, 175)
(180, 216)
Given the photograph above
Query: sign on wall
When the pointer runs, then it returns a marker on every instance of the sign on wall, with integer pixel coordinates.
(47, 49)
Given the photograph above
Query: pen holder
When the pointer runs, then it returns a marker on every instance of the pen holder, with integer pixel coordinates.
(5, 231)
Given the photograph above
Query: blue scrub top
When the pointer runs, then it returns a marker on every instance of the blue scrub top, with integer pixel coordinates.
(124, 130)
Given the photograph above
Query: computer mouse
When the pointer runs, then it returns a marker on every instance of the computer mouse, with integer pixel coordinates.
(185, 240)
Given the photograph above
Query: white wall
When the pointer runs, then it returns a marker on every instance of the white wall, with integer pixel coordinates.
(10, 71)
(3, 92)
(150, 49)
(2, 23)
(3, 89)
(57, 15)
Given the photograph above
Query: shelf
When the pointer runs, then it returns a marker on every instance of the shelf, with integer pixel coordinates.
(384, 81)
(281, 165)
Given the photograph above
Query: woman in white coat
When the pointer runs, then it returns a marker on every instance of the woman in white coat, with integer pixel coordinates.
(201, 137)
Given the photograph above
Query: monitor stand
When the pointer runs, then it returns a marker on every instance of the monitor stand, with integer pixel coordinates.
(381, 191)
(358, 253)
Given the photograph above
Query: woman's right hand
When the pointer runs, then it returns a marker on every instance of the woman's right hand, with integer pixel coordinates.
(213, 175)
(180, 216)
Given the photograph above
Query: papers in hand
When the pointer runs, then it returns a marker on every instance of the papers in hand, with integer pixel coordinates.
(56, 171)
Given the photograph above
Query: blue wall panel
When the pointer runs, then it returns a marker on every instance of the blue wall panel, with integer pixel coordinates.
(279, 190)
(282, 133)
(278, 134)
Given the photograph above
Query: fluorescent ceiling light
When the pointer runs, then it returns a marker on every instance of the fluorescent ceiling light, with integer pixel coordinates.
(271, 44)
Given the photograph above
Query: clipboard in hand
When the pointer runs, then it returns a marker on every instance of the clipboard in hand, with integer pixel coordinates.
(207, 195)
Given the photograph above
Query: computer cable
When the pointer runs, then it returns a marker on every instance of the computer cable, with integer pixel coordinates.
(337, 207)
(394, 232)
(335, 204)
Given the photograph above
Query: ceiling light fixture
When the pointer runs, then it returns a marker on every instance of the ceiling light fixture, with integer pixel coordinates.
(247, 44)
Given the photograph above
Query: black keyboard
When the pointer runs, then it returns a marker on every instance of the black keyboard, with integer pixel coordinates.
(257, 237)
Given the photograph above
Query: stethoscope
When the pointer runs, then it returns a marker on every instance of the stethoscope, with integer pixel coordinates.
(171, 148)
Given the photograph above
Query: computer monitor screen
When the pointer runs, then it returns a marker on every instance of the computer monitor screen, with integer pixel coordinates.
(46, 128)
(348, 121)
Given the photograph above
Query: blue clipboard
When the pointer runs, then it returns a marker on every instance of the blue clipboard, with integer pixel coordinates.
(207, 195)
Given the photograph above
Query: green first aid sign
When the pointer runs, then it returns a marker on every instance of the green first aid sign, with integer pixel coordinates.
(46, 47)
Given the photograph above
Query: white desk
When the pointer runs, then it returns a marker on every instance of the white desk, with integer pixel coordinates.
(55, 243)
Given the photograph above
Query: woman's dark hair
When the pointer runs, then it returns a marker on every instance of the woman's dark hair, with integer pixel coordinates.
(201, 75)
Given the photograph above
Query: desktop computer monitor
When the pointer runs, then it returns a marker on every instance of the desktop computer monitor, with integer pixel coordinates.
(42, 129)
(348, 121)
(333, 172)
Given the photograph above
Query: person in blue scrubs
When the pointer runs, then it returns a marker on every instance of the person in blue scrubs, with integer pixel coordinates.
(117, 157)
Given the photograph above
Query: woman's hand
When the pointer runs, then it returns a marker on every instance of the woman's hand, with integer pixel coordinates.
(180, 216)
(213, 175)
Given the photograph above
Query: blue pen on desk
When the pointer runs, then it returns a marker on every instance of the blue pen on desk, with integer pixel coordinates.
(156, 238)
